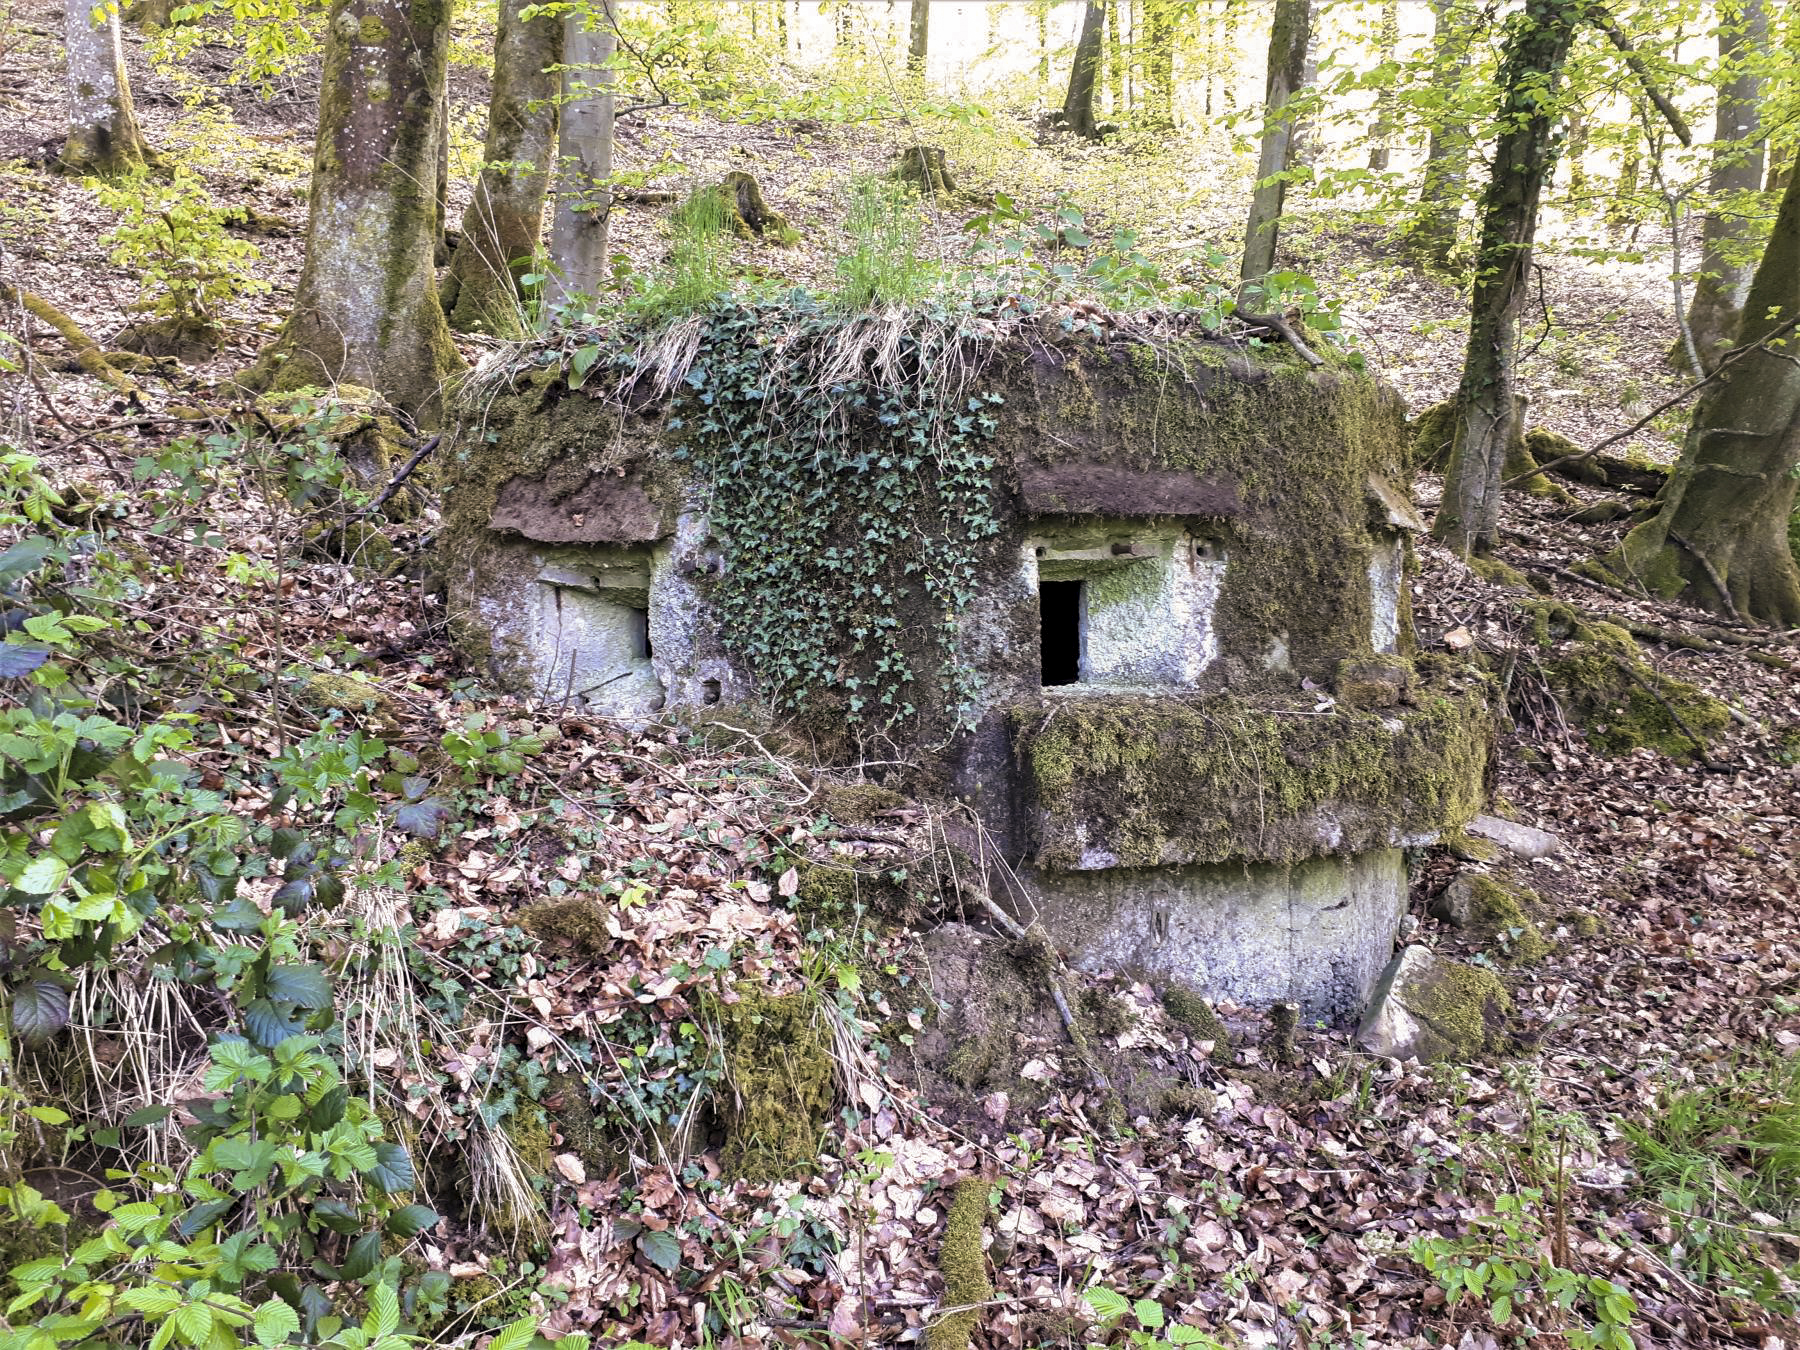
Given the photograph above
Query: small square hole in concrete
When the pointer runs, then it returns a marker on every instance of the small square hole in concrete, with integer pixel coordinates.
(1061, 606)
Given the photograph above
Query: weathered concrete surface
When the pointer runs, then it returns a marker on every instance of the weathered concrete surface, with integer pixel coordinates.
(1317, 933)
(1522, 841)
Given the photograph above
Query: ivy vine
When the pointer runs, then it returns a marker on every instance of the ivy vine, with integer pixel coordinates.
(849, 501)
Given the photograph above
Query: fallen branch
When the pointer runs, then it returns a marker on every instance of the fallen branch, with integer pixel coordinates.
(1668, 707)
(1288, 333)
(1731, 357)
(406, 470)
(87, 352)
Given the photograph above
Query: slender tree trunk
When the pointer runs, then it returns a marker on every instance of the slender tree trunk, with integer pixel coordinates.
(103, 137)
(1303, 146)
(1434, 230)
(918, 37)
(1623, 208)
(1078, 106)
(1159, 63)
(1228, 85)
(1288, 37)
(1115, 59)
(1387, 98)
(1524, 160)
(1737, 168)
(440, 197)
(366, 307)
(1575, 152)
(503, 224)
(1723, 518)
(578, 234)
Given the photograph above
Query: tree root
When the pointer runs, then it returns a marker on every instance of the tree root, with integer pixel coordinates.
(1288, 333)
(88, 354)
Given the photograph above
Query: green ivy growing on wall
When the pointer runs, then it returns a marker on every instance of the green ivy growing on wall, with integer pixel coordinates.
(850, 499)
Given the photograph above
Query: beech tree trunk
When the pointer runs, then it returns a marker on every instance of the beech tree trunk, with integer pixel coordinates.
(1159, 62)
(1524, 160)
(1737, 167)
(1303, 146)
(1115, 59)
(103, 137)
(1721, 528)
(1434, 230)
(366, 308)
(1288, 37)
(1387, 98)
(578, 234)
(503, 224)
(918, 37)
(1078, 106)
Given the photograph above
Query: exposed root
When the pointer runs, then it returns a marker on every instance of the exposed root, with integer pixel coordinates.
(88, 354)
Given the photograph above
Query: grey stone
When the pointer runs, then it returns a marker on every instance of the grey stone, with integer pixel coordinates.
(1317, 932)
(1428, 1008)
(1524, 841)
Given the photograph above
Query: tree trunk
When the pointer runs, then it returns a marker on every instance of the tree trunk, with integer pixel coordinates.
(1623, 208)
(583, 201)
(1303, 145)
(366, 307)
(1723, 516)
(1288, 37)
(1159, 62)
(1078, 106)
(503, 224)
(918, 37)
(1115, 59)
(1387, 98)
(1434, 229)
(1737, 168)
(103, 137)
(440, 198)
(1575, 150)
(1524, 160)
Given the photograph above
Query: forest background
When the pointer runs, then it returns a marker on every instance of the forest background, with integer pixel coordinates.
(302, 1046)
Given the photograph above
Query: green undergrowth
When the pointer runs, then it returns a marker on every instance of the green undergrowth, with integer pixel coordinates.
(1621, 701)
(1719, 1155)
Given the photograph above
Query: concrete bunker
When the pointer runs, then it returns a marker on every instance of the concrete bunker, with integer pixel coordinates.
(1151, 625)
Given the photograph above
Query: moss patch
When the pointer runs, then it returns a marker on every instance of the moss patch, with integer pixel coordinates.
(963, 1261)
(577, 921)
(779, 1071)
(1621, 701)
(1196, 1015)
(1468, 1008)
(1494, 912)
(859, 803)
(1165, 780)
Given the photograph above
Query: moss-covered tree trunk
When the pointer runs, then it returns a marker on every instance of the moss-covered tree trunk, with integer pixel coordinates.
(504, 221)
(1722, 521)
(1078, 104)
(103, 136)
(366, 308)
(1434, 228)
(1524, 159)
(1288, 37)
(578, 233)
(1387, 98)
(1737, 169)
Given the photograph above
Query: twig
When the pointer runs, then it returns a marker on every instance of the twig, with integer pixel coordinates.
(1286, 329)
(1731, 357)
(406, 469)
(1676, 121)
(1712, 575)
(1669, 708)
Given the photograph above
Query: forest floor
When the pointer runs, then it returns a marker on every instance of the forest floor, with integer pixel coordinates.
(1280, 1210)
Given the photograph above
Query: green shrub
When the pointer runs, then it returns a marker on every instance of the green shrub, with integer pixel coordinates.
(174, 238)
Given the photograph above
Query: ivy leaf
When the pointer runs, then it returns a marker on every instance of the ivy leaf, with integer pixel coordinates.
(412, 1220)
(661, 1248)
(363, 1255)
(275, 1323)
(305, 986)
(40, 1009)
(393, 1170)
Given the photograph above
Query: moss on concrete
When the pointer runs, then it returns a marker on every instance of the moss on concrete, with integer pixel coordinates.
(1166, 780)
(1621, 701)
(963, 1262)
(1467, 1007)
(779, 1082)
